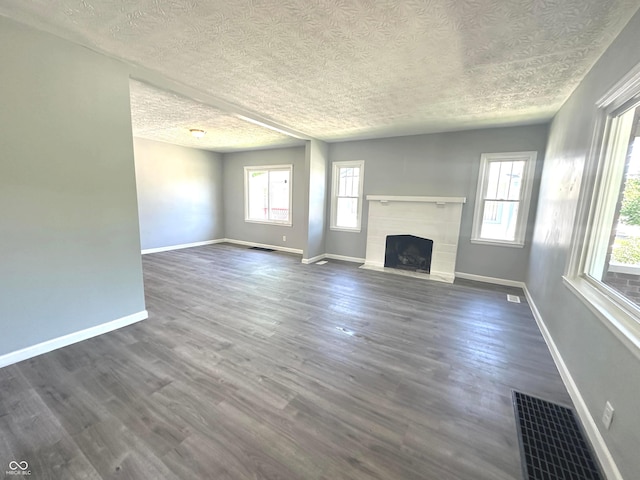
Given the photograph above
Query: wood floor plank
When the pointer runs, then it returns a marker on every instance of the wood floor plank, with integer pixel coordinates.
(117, 452)
(31, 433)
(253, 365)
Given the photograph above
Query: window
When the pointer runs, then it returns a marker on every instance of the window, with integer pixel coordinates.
(267, 193)
(604, 268)
(502, 199)
(346, 199)
(613, 256)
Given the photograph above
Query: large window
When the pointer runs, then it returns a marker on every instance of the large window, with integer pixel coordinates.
(604, 269)
(268, 194)
(346, 197)
(502, 199)
(613, 256)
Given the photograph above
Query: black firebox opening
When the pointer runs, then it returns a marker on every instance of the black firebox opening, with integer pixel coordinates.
(408, 252)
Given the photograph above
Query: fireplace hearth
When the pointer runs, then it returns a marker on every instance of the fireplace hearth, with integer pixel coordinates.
(408, 252)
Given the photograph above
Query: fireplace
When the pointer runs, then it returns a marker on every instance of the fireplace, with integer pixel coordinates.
(408, 252)
(431, 219)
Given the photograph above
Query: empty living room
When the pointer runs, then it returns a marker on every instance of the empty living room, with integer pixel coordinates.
(320, 239)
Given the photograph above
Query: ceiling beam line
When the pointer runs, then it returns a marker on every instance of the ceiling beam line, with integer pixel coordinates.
(162, 82)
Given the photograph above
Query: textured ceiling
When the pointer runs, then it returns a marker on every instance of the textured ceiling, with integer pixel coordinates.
(167, 117)
(338, 69)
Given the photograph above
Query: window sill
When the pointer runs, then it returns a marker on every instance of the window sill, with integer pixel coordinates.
(623, 323)
(264, 222)
(497, 243)
(344, 229)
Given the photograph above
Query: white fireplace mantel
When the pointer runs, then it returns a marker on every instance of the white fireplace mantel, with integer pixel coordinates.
(396, 198)
(435, 218)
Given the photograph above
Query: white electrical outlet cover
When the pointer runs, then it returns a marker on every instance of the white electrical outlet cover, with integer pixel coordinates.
(607, 416)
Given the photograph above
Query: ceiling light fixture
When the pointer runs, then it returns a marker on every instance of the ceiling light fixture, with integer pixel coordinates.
(197, 132)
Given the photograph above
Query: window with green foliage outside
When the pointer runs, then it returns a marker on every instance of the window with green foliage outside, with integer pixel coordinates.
(616, 259)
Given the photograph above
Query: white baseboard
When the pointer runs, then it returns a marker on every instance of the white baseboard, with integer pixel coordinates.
(315, 259)
(183, 245)
(588, 422)
(344, 258)
(297, 251)
(493, 280)
(332, 256)
(65, 340)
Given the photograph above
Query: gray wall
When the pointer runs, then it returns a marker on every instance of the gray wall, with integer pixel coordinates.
(317, 164)
(445, 164)
(235, 226)
(601, 366)
(68, 216)
(179, 194)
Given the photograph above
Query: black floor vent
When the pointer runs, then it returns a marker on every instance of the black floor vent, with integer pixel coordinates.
(551, 443)
(262, 249)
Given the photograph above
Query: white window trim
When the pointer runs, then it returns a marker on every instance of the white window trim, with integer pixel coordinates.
(617, 313)
(334, 194)
(251, 168)
(525, 197)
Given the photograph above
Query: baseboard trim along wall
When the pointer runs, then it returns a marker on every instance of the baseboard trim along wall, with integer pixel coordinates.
(493, 280)
(588, 422)
(344, 258)
(178, 247)
(71, 338)
(332, 256)
(297, 251)
(315, 259)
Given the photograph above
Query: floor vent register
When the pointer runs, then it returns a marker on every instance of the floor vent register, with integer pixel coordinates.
(552, 446)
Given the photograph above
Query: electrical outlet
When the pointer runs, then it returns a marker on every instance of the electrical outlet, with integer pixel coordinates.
(607, 416)
(284, 238)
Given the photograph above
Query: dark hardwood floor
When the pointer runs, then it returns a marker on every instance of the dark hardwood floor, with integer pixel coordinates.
(252, 365)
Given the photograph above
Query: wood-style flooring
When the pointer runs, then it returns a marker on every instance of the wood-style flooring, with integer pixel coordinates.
(255, 366)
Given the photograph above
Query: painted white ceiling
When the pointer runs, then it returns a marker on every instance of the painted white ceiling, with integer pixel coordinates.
(339, 69)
